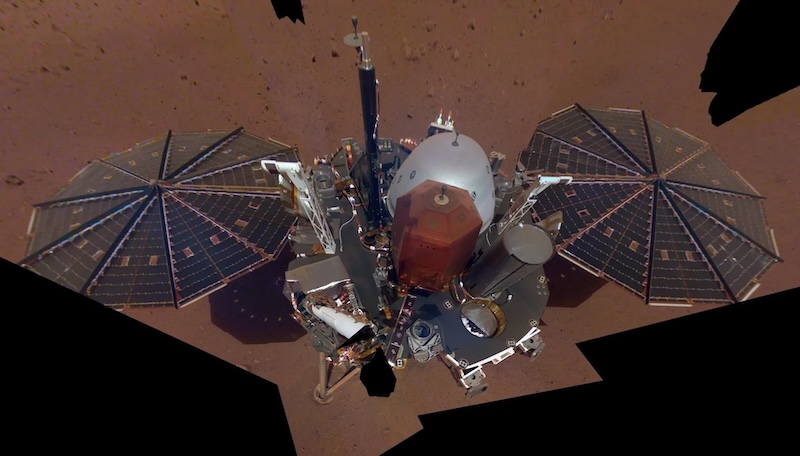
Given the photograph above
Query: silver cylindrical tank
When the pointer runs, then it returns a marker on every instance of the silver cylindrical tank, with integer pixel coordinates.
(512, 257)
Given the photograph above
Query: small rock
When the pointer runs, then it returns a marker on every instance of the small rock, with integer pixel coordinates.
(13, 180)
(522, 33)
(65, 67)
(519, 82)
(430, 25)
(184, 77)
(471, 25)
(456, 55)
(313, 58)
(334, 50)
(409, 116)
(430, 92)
(44, 70)
(407, 49)
(608, 15)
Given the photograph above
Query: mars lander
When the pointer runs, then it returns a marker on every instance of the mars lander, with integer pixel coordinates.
(421, 251)
(413, 249)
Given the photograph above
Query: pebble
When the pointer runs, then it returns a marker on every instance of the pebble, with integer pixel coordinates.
(13, 180)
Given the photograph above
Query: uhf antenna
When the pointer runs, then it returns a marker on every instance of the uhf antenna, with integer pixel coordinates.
(354, 39)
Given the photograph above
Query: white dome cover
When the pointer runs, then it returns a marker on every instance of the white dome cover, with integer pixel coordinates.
(465, 166)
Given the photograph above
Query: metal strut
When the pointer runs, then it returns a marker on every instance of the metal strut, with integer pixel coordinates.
(292, 178)
(527, 199)
(324, 393)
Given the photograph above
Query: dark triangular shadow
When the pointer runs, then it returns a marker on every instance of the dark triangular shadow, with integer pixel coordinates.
(569, 285)
(253, 308)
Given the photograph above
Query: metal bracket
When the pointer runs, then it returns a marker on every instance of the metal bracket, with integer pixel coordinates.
(323, 393)
(525, 201)
(291, 176)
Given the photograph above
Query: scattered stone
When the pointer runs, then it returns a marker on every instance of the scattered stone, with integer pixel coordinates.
(184, 77)
(13, 180)
(456, 55)
(519, 82)
(608, 15)
(407, 49)
(430, 25)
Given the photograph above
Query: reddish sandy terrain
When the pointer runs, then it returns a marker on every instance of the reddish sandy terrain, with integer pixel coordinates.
(82, 79)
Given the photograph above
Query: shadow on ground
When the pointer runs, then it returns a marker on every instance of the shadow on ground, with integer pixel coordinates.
(569, 285)
(253, 309)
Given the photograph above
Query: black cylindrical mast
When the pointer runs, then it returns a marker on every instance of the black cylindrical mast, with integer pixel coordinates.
(369, 107)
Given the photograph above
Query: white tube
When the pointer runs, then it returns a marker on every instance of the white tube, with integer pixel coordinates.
(344, 324)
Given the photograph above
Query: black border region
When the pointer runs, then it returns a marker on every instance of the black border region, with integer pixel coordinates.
(753, 58)
(75, 371)
(724, 378)
(293, 9)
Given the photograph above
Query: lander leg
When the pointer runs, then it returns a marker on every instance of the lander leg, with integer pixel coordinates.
(324, 393)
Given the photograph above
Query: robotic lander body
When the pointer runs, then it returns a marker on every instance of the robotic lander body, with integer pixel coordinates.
(411, 250)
